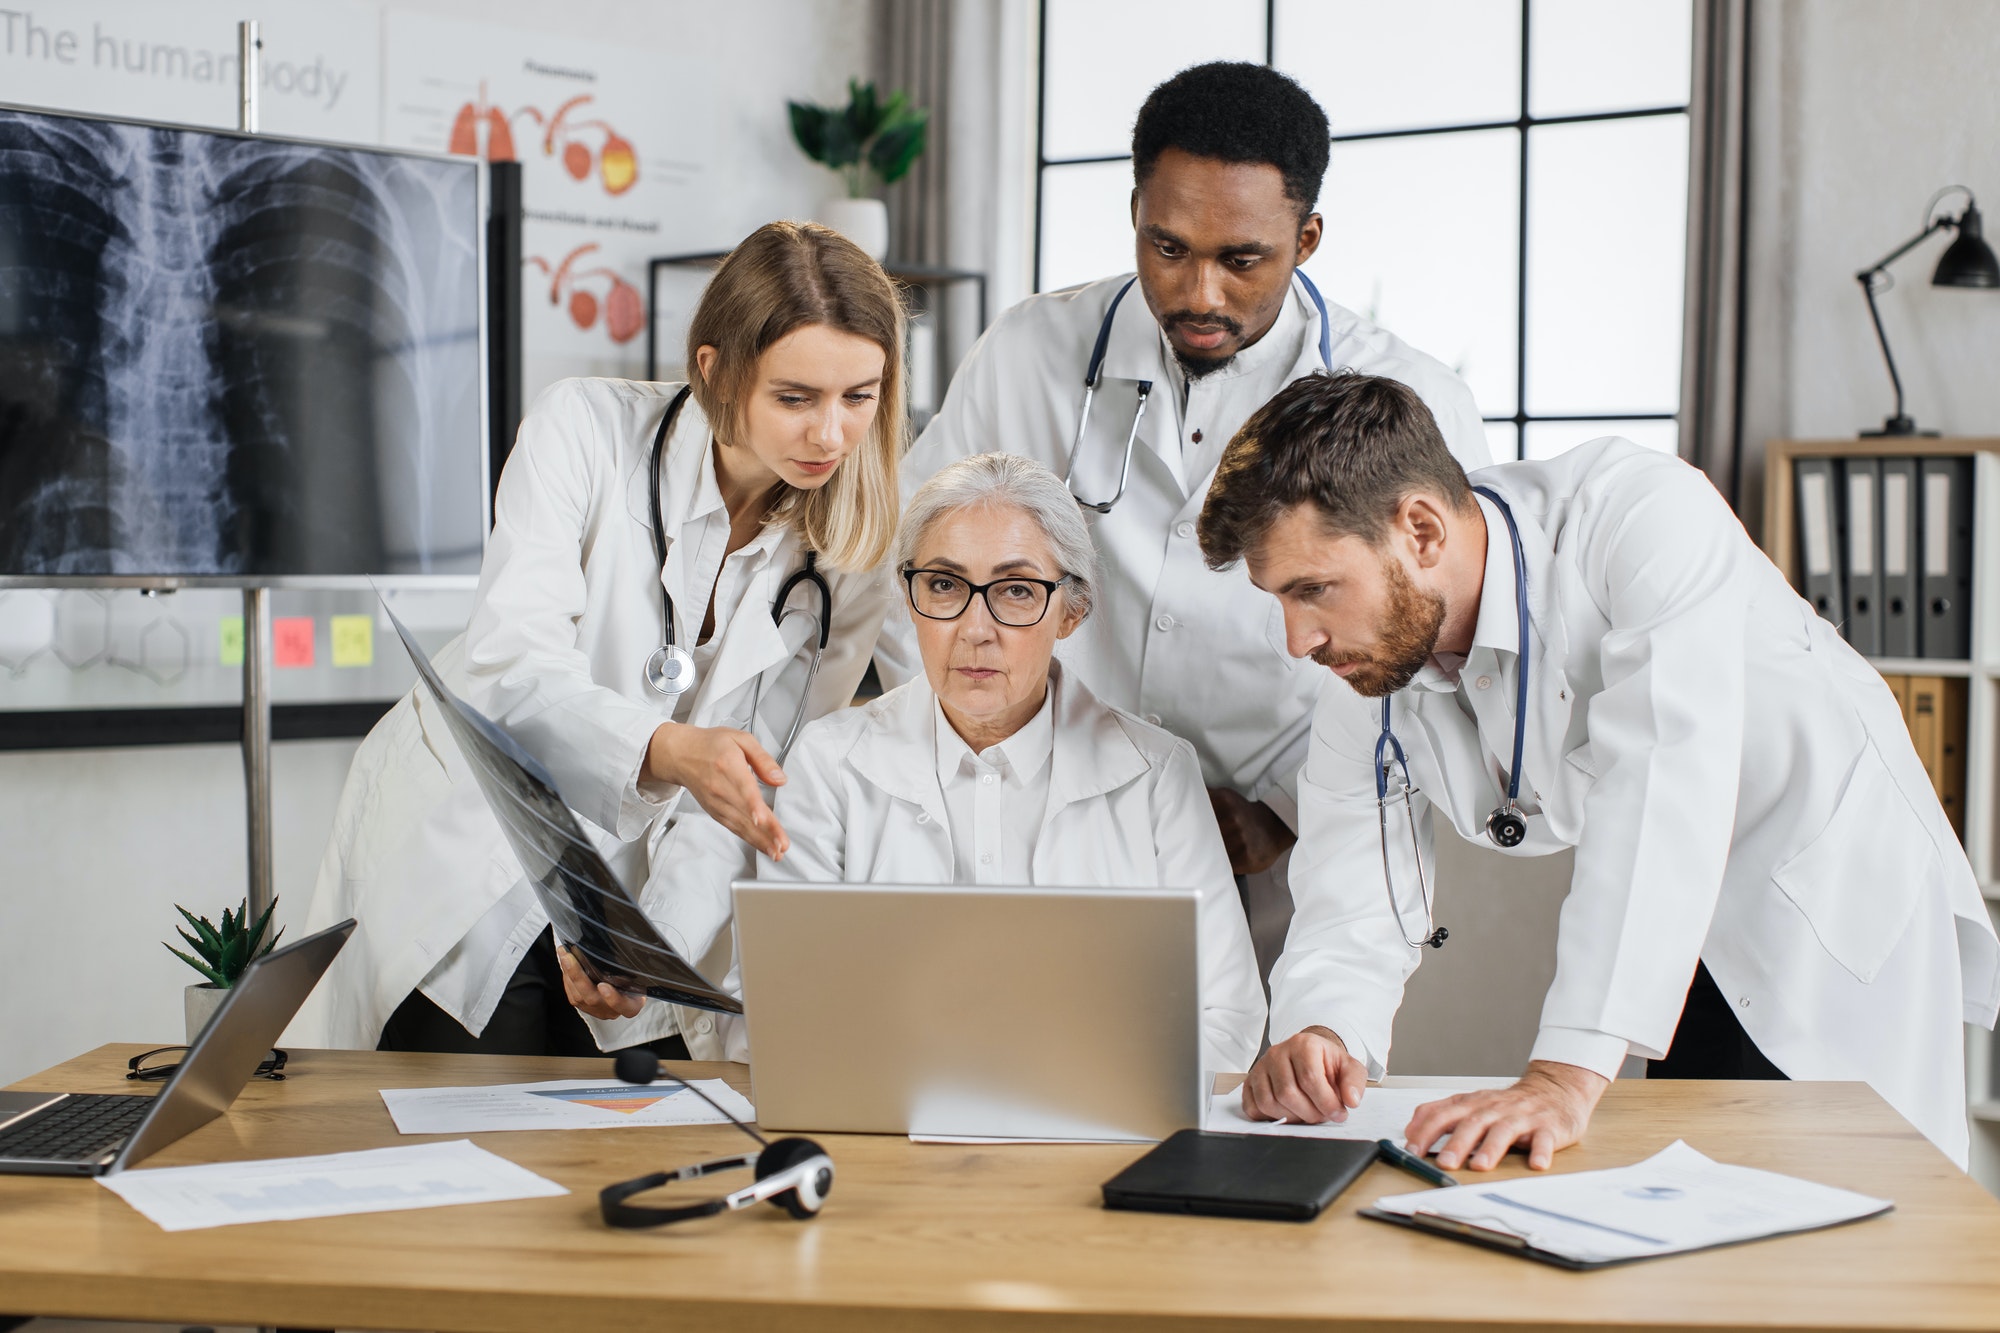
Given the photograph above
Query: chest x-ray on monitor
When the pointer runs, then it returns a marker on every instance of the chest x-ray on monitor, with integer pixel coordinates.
(235, 359)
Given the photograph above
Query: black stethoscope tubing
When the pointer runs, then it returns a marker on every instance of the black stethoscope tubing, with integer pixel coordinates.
(670, 670)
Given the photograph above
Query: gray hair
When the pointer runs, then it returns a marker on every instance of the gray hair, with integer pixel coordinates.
(1009, 480)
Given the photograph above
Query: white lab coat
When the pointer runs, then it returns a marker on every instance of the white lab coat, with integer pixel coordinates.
(1737, 781)
(568, 611)
(1199, 652)
(1126, 807)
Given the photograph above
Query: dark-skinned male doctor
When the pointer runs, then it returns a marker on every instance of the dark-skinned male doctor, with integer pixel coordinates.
(1228, 160)
(1765, 884)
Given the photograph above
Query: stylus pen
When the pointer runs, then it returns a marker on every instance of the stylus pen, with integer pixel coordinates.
(1405, 1160)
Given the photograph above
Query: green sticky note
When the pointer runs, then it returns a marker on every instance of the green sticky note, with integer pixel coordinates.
(229, 650)
(353, 641)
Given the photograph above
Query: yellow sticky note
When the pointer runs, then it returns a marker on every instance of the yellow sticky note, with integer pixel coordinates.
(353, 641)
(229, 648)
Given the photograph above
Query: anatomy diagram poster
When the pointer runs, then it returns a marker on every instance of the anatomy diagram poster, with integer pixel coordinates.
(612, 143)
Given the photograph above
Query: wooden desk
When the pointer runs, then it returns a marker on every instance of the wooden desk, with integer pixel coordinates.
(950, 1237)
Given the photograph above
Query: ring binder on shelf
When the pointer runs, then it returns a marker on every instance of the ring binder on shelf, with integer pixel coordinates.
(1819, 537)
(1864, 571)
(1901, 587)
(1947, 565)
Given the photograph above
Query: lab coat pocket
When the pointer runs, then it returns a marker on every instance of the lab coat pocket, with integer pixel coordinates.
(1856, 883)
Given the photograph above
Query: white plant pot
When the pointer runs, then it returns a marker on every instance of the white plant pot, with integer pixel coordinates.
(198, 1005)
(863, 221)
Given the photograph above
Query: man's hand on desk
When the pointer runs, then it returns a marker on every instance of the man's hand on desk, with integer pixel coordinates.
(1307, 1078)
(595, 998)
(1547, 1110)
(1252, 833)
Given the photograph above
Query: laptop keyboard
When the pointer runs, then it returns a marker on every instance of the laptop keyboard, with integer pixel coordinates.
(81, 1129)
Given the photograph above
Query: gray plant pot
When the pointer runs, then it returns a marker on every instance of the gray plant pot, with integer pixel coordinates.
(199, 1003)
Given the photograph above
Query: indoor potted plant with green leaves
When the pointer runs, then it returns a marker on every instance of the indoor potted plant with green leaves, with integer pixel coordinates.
(220, 955)
(870, 141)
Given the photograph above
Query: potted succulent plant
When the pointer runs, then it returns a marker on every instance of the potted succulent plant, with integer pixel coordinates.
(220, 955)
(870, 140)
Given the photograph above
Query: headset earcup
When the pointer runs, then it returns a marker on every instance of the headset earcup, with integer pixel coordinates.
(781, 1156)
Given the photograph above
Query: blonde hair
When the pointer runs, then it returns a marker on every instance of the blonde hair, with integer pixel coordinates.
(783, 277)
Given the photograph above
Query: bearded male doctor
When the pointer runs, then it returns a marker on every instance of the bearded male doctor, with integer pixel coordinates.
(1765, 883)
(1227, 162)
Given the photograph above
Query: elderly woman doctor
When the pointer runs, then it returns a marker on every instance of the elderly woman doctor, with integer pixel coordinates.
(635, 525)
(994, 767)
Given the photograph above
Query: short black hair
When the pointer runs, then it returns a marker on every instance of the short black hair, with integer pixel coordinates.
(1352, 446)
(1237, 111)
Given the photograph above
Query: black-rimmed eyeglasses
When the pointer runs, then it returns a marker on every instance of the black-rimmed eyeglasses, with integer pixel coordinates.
(939, 594)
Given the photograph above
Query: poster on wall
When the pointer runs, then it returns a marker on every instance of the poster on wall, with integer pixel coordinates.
(614, 146)
(177, 62)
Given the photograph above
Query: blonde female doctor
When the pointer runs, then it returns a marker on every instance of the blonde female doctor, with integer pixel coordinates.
(779, 457)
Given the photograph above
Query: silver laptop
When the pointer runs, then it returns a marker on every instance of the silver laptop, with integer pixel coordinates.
(94, 1134)
(974, 1011)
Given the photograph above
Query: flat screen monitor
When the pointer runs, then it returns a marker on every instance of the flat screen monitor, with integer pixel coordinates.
(227, 359)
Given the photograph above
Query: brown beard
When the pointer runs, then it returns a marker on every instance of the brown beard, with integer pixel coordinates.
(1407, 639)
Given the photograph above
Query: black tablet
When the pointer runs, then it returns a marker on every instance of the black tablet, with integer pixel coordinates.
(1240, 1175)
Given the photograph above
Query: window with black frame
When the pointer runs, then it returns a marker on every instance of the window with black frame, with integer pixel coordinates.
(1508, 188)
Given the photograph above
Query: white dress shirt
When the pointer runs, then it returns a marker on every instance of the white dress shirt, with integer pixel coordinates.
(994, 800)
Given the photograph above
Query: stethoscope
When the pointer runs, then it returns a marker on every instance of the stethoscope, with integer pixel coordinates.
(670, 671)
(1506, 826)
(1094, 371)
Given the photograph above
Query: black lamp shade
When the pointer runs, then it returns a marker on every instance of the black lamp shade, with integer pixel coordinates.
(1968, 261)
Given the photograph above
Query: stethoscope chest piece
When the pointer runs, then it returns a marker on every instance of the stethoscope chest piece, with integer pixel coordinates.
(1506, 826)
(670, 670)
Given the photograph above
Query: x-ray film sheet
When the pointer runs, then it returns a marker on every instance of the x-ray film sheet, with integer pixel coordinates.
(591, 911)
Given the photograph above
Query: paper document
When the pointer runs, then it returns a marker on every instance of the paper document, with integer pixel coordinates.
(1384, 1113)
(283, 1189)
(1675, 1200)
(564, 1103)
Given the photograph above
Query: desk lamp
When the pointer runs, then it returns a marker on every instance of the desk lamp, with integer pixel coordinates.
(1967, 262)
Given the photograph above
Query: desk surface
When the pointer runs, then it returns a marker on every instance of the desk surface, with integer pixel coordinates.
(926, 1236)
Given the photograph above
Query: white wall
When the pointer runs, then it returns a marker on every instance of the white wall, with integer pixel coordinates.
(1861, 109)
(96, 846)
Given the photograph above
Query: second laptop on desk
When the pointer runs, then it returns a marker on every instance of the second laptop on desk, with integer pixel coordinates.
(993, 1012)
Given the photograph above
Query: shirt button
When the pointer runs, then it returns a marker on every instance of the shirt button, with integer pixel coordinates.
(705, 1025)
(1196, 437)
(1163, 624)
(924, 817)
(987, 779)
(986, 858)
(1153, 719)
(1744, 1002)
(1483, 682)
(1184, 530)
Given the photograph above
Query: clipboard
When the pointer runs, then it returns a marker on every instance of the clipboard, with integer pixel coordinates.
(1506, 1242)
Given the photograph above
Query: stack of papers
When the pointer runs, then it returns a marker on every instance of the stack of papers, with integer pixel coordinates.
(283, 1189)
(564, 1103)
(1674, 1201)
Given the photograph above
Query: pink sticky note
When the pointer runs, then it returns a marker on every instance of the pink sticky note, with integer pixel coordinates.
(292, 641)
